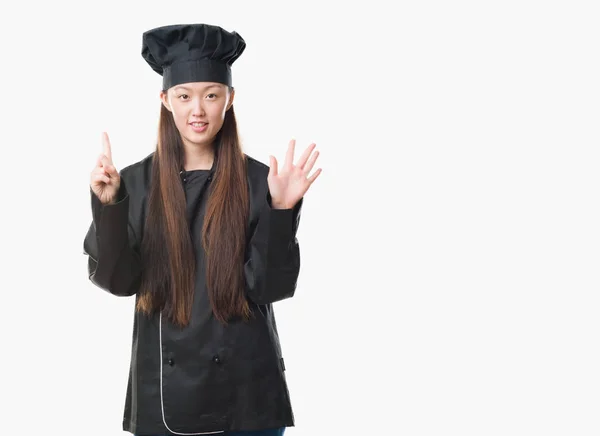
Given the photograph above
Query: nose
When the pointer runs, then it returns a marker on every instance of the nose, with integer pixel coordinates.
(198, 108)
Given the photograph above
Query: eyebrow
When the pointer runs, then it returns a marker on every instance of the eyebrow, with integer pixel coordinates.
(184, 88)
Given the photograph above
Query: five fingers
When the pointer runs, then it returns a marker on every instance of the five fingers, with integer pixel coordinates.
(304, 162)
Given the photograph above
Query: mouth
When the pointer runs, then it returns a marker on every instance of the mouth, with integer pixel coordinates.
(198, 126)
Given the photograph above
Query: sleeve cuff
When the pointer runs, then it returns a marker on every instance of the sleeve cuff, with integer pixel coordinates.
(110, 216)
(283, 222)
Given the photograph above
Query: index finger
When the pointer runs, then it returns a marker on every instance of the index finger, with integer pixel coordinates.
(106, 146)
(289, 156)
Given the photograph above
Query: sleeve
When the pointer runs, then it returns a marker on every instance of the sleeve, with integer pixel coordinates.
(113, 265)
(273, 263)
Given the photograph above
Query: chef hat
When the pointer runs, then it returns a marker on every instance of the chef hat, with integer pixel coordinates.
(183, 53)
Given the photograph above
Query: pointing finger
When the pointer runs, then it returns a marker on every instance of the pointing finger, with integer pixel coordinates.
(106, 146)
(105, 162)
(289, 156)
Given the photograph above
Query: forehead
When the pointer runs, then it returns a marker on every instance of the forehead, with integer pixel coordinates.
(198, 86)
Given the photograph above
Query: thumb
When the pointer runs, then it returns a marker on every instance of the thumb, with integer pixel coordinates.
(272, 166)
(112, 171)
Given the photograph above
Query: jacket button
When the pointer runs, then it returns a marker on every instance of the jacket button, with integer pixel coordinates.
(217, 359)
(171, 362)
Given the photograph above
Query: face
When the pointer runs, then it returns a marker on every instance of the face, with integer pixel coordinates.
(198, 109)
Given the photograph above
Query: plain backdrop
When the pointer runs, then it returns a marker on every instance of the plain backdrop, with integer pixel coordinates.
(450, 248)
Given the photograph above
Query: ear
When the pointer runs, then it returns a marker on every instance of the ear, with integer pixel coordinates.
(231, 96)
(165, 100)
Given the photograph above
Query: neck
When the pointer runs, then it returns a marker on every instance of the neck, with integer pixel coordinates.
(198, 157)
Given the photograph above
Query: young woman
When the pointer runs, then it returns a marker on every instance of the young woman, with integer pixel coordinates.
(204, 236)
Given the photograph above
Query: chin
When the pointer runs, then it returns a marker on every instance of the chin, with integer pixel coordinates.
(199, 139)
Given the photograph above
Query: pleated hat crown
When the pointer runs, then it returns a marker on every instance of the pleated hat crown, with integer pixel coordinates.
(183, 53)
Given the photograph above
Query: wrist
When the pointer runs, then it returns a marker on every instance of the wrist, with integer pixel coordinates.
(276, 205)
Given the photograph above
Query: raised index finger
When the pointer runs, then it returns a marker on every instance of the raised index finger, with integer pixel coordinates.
(289, 156)
(106, 146)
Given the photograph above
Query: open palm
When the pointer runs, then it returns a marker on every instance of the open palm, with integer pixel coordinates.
(290, 184)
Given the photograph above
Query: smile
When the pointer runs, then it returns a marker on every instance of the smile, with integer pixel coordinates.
(199, 127)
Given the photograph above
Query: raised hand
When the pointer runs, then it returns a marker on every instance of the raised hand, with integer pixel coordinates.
(290, 184)
(105, 179)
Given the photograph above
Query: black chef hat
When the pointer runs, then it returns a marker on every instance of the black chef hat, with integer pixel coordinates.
(183, 53)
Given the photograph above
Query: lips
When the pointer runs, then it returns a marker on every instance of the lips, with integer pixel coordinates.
(198, 126)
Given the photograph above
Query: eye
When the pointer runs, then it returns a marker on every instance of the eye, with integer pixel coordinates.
(213, 95)
(185, 97)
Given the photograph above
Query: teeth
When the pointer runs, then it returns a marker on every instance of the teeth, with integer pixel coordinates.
(198, 124)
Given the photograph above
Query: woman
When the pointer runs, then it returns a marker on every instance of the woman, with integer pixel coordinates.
(204, 236)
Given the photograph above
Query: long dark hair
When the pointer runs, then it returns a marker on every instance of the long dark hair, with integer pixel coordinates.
(168, 259)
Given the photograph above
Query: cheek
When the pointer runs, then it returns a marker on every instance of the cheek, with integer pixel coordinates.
(180, 120)
(217, 115)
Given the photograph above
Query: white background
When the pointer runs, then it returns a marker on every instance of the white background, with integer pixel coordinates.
(450, 248)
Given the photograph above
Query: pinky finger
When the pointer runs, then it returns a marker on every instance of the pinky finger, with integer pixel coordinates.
(312, 178)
